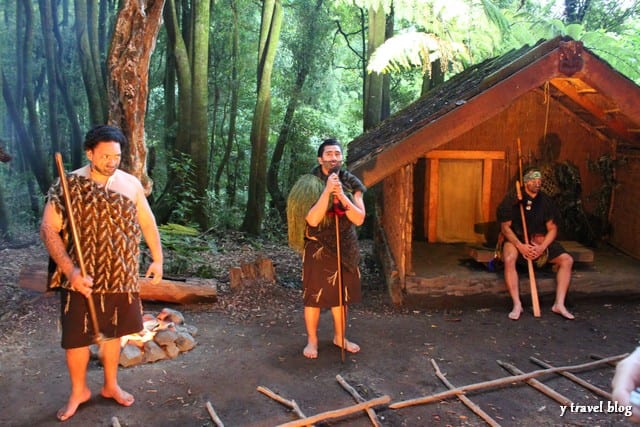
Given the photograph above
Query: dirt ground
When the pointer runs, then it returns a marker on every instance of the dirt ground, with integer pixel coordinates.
(254, 337)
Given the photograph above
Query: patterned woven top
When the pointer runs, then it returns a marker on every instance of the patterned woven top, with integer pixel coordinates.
(109, 234)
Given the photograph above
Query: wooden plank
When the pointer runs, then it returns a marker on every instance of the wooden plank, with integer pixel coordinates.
(465, 155)
(487, 172)
(481, 253)
(191, 290)
(567, 86)
(580, 253)
(434, 183)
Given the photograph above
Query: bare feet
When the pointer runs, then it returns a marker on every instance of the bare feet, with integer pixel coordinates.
(310, 351)
(351, 347)
(119, 395)
(562, 311)
(68, 410)
(515, 313)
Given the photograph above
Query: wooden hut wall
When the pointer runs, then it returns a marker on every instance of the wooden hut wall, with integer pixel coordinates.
(526, 119)
(397, 216)
(625, 217)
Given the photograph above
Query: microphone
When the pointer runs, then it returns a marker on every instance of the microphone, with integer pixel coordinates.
(336, 170)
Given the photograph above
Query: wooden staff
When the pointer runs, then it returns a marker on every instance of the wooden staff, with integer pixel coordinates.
(520, 160)
(343, 322)
(97, 335)
(532, 276)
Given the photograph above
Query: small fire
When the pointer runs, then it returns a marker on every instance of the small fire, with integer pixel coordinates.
(151, 325)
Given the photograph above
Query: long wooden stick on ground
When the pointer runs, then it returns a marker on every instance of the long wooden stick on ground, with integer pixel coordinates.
(213, 415)
(600, 357)
(500, 382)
(464, 399)
(575, 379)
(291, 404)
(337, 413)
(354, 393)
(537, 384)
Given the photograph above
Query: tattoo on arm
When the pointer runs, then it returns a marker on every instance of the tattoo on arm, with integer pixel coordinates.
(56, 248)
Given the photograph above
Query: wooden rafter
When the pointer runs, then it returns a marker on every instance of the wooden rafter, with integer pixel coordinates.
(579, 96)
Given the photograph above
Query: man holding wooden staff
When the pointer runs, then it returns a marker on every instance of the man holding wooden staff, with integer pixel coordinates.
(98, 280)
(540, 221)
(325, 207)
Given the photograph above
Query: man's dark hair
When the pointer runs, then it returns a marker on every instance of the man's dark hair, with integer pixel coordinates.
(104, 133)
(327, 142)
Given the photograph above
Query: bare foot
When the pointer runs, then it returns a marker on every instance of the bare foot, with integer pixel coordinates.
(562, 311)
(351, 347)
(515, 313)
(119, 395)
(68, 410)
(310, 351)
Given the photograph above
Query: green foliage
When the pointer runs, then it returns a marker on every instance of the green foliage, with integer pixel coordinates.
(182, 196)
(415, 49)
(182, 247)
(221, 215)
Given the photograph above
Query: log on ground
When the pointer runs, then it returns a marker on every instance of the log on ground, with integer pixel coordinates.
(187, 291)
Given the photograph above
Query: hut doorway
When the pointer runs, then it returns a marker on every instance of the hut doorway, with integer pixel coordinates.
(459, 194)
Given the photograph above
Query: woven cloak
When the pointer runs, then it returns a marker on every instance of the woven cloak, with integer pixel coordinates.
(109, 234)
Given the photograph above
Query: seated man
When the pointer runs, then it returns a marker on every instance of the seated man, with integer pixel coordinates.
(540, 213)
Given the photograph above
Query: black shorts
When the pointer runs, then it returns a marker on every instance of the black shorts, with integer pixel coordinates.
(118, 314)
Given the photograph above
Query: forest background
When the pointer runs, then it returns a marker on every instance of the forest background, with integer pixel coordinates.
(225, 101)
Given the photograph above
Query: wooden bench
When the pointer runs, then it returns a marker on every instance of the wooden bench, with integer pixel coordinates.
(579, 252)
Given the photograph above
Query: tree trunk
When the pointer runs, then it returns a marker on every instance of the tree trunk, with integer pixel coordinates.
(269, 35)
(200, 100)
(306, 55)
(48, 39)
(133, 42)
(386, 81)
(90, 61)
(374, 81)
(30, 137)
(178, 69)
(4, 217)
(234, 87)
(434, 78)
(183, 72)
(75, 139)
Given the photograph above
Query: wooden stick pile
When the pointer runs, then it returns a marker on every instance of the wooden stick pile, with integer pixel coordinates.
(460, 392)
